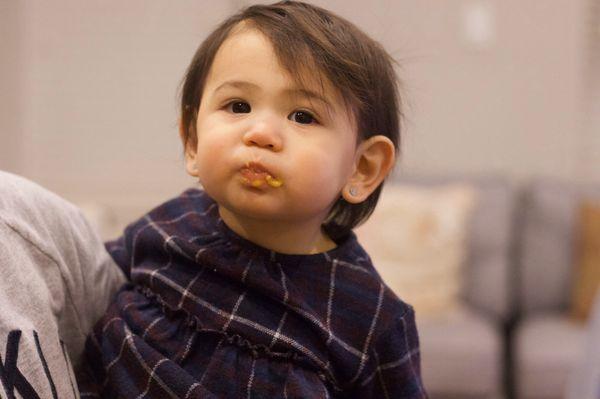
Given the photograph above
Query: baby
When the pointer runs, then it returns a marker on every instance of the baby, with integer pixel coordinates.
(255, 285)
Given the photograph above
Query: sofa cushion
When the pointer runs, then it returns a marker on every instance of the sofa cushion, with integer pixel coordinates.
(547, 243)
(584, 378)
(547, 348)
(461, 355)
(489, 243)
(417, 239)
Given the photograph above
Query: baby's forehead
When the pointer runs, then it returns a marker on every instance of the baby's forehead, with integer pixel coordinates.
(244, 49)
(306, 75)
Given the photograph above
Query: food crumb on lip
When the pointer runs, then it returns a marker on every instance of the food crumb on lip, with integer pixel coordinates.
(254, 168)
(273, 182)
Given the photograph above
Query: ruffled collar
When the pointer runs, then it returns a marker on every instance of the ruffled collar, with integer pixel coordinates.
(344, 246)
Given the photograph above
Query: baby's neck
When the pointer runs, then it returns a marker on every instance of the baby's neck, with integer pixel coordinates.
(306, 238)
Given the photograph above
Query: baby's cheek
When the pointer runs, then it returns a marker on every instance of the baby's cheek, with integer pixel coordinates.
(212, 153)
(316, 184)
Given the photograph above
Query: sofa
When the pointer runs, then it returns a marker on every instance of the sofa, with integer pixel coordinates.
(463, 354)
(512, 337)
(545, 343)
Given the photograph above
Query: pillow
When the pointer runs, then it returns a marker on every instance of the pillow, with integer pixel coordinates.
(417, 240)
(586, 273)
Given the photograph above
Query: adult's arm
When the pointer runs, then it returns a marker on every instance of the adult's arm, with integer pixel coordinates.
(56, 281)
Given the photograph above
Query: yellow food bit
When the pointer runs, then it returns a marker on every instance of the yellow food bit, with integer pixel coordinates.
(273, 182)
(256, 183)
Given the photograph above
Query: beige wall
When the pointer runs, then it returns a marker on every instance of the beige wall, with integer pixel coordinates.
(10, 76)
(95, 87)
(512, 106)
(92, 110)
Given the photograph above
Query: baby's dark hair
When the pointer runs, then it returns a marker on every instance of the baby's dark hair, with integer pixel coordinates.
(309, 38)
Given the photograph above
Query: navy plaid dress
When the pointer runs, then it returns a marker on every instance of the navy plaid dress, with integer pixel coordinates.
(209, 314)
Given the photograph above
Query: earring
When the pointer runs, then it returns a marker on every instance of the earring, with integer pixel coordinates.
(353, 191)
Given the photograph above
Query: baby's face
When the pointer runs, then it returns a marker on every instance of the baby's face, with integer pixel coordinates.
(264, 149)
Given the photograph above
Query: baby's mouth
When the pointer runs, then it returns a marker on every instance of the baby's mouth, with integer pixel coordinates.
(256, 175)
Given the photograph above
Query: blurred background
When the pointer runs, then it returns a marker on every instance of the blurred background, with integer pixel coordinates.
(507, 90)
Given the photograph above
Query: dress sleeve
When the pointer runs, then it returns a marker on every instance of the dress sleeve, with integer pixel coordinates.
(119, 253)
(394, 368)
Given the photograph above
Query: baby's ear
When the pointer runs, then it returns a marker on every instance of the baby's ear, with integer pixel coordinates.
(189, 150)
(375, 158)
(191, 164)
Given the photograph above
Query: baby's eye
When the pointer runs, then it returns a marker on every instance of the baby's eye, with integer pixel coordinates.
(303, 117)
(239, 107)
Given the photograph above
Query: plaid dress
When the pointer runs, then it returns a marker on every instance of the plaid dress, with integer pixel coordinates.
(209, 314)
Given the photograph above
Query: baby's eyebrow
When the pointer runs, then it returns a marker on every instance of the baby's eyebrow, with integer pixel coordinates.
(241, 84)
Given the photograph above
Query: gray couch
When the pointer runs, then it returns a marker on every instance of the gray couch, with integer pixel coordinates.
(546, 345)
(463, 355)
(514, 339)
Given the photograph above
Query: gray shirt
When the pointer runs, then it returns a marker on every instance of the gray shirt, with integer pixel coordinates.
(56, 281)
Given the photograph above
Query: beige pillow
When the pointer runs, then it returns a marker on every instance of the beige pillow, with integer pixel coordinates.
(417, 239)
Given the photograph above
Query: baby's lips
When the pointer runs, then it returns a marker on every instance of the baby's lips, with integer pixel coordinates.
(256, 176)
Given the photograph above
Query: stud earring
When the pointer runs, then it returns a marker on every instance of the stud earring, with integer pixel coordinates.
(353, 191)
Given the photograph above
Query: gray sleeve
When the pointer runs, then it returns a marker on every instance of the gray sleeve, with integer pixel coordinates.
(57, 280)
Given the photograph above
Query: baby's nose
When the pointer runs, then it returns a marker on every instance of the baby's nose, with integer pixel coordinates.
(264, 134)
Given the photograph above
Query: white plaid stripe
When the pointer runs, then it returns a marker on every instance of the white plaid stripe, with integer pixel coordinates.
(151, 325)
(152, 223)
(127, 306)
(108, 323)
(215, 351)
(235, 308)
(194, 238)
(129, 339)
(286, 294)
(330, 300)
(155, 271)
(237, 304)
(319, 324)
(200, 251)
(409, 354)
(353, 266)
(285, 299)
(347, 264)
(168, 239)
(188, 346)
(381, 380)
(246, 269)
(370, 334)
(390, 365)
(326, 391)
(249, 387)
(150, 377)
(187, 289)
(115, 360)
(192, 387)
(279, 327)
